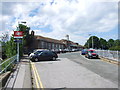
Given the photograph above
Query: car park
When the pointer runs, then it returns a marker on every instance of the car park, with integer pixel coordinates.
(91, 54)
(44, 55)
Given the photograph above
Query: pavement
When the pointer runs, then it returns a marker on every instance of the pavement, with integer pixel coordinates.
(21, 77)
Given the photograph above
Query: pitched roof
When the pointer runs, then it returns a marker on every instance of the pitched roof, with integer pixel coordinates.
(48, 39)
(56, 41)
(72, 43)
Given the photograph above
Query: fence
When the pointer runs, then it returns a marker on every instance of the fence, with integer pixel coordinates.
(7, 64)
(114, 55)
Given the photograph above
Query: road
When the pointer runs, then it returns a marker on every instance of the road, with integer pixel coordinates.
(72, 70)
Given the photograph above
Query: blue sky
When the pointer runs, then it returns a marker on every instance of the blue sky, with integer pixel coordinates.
(57, 18)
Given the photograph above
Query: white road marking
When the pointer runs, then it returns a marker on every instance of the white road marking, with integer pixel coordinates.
(90, 59)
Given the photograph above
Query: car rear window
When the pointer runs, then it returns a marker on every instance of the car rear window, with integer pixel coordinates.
(92, 51)
(37, 52)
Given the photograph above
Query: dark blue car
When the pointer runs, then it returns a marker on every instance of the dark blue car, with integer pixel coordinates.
(44, 55)
(83, 52)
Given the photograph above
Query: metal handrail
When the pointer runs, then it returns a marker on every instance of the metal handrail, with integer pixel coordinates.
(14, 58)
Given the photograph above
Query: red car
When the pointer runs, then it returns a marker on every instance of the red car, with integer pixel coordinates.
(91, 53)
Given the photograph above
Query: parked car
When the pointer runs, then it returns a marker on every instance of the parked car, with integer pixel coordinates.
(84, 51)
(44, 55)
(91, 54)
(30, 54)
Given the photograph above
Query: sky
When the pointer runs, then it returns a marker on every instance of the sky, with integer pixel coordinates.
(58, 18)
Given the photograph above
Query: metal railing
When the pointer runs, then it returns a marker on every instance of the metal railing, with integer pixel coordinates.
(7, 63)
(114, 55)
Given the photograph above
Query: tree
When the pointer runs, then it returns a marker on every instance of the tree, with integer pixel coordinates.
(95, 42)
(110, 43)
(10, 48)
(117, 42)
(3, 39)
(27, 39)
(116, 45)
(103, 43)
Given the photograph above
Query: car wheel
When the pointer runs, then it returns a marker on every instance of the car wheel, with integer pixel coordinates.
(54, 58)
(36, 59)
(89, 57)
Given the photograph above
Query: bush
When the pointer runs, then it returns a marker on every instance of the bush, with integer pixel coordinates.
(116, 48)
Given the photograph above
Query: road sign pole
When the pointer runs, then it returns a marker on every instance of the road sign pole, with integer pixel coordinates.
(17, 51)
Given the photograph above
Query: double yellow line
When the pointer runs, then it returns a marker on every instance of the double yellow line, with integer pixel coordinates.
(37, 77)
(111, 61)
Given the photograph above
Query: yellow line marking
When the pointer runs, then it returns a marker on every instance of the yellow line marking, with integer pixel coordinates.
(110, 61)
(35, 75)
(40, 82)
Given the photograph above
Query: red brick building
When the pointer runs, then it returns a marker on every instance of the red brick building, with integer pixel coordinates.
(41, 42)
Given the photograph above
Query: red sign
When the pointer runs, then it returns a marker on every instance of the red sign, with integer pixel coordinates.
(18, 34)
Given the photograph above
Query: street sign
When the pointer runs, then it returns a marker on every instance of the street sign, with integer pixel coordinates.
(18, 34)
(18, 41)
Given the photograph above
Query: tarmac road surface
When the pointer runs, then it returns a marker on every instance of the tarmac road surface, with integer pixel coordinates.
(71, 70)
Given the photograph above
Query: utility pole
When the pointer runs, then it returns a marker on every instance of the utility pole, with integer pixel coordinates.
(92, 43)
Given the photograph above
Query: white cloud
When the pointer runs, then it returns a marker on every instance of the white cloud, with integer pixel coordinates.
(71, 17)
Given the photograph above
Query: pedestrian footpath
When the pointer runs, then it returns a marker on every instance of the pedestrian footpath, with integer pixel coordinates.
(21, 77)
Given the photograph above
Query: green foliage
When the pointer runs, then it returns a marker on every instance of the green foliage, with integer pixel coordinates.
(6, 63)
(102, 43)
(96, 42)
(27, 39)
(116, 45)
(110, 43)
(10, 48)
(116, 48)
(117, 42)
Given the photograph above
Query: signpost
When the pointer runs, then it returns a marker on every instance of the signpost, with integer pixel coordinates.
(17, 36)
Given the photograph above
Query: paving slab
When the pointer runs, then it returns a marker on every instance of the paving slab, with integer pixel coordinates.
(21, 77)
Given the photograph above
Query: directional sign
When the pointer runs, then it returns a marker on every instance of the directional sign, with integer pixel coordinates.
(18, 34)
